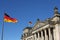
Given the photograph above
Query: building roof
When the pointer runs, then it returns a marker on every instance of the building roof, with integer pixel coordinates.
(28, 28)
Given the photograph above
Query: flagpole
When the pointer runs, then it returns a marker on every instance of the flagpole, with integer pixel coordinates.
(2, 28)
(30, 23)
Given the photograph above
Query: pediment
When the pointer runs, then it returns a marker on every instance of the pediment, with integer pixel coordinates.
(38, 25)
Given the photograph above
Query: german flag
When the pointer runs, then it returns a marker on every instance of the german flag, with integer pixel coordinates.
(7, 18)
(30, 22)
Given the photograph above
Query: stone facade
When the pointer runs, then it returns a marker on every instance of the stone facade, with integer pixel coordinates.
(47, 30)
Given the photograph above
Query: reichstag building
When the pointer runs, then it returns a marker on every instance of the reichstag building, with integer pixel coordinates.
(46, 30)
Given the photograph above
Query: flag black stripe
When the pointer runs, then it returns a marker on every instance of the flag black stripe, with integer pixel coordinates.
(6, 14)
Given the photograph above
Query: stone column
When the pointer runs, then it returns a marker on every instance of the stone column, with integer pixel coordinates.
(39, 38)
(38, 35)
(46, 37)
(35, 36)
(54, 34)
(57, 28)
(42, 38)
(50, 36)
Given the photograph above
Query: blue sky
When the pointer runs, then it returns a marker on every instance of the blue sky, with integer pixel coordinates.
(24, 11)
